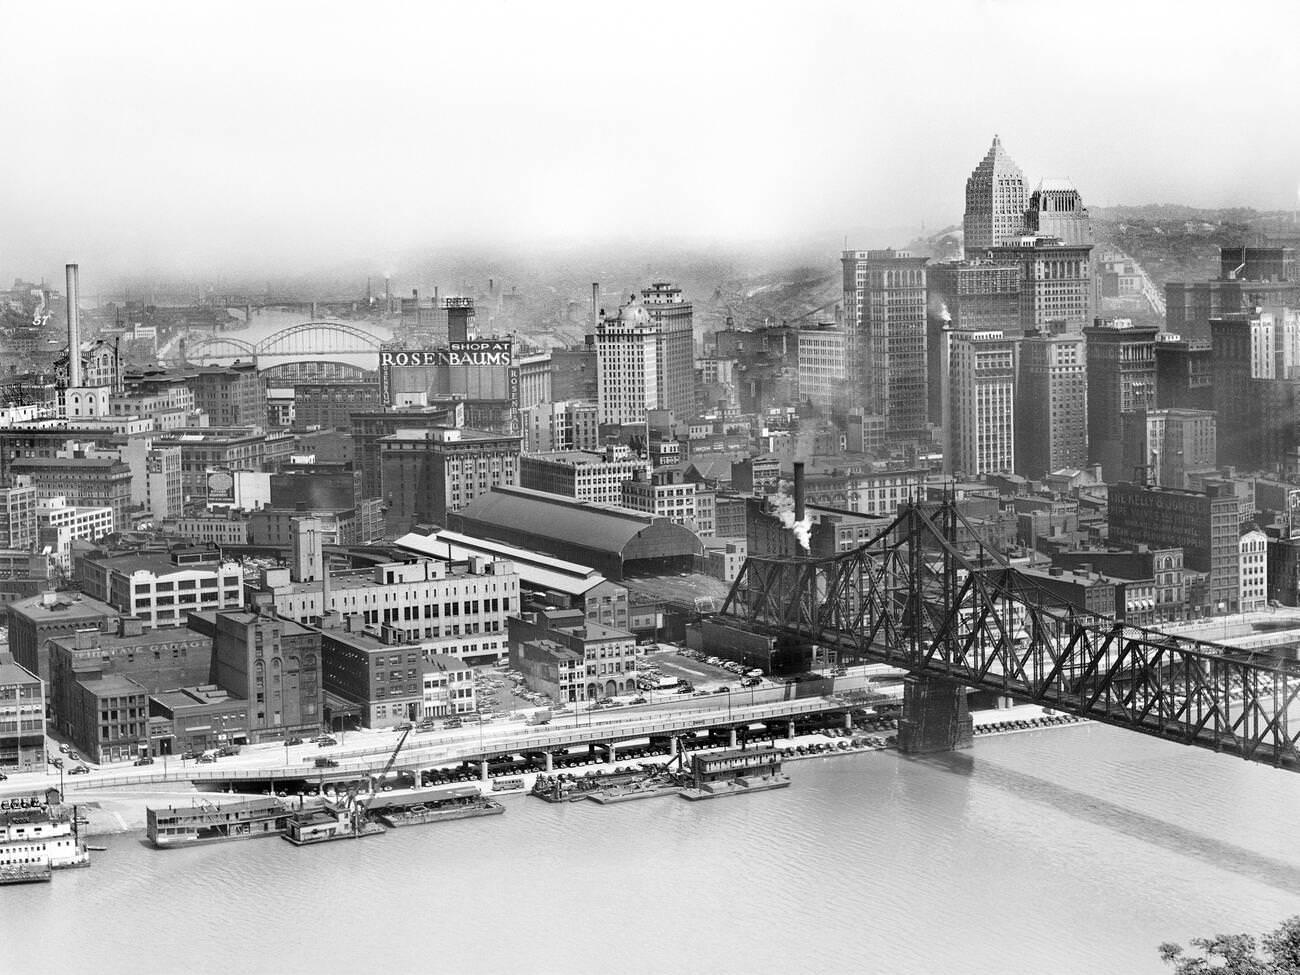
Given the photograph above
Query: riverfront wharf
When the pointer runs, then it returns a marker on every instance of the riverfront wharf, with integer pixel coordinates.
(603, 731)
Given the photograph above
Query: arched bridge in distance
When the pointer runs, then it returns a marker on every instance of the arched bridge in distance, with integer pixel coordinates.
(926, 595)
(309, 340)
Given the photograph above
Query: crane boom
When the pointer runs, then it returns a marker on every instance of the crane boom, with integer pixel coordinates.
(387, 768)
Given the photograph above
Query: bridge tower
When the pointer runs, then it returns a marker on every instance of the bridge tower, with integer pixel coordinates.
(935, 716)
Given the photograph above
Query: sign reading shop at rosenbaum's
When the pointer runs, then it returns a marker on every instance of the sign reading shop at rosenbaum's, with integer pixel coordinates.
(487, 353)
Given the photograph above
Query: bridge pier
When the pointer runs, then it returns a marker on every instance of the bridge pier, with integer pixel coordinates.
(935, 716)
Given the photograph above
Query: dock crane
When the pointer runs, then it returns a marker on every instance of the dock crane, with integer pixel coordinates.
(374, 787)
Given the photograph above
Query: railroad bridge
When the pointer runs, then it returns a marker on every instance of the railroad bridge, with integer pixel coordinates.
(310, 340)
(927, 596)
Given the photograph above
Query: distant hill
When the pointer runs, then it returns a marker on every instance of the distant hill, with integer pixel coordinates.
(1181, 243)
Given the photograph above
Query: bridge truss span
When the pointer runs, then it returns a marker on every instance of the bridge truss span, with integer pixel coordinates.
(927, 596)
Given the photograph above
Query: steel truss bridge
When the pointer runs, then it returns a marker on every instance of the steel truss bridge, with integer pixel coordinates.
(309, 339)
(925, 595)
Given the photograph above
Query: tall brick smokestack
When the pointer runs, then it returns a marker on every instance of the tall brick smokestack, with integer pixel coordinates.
(74, 329)
(798, 491)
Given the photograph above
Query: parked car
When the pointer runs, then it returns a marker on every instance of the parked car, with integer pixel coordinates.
(74, 756)
(751, 682)
(78, 770)
(57, 762)
(293, 741)
(65, 748)
(207, 758)
(325, 742)
(144, 760)
(3, 776)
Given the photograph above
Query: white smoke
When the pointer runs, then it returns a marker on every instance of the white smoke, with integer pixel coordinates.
(944, 313)
(782, 505)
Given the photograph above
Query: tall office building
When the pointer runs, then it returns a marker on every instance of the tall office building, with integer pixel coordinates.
(424, 474)
(969, 296)
(995, 202)
(1121, 379)
(885, 322)
(645, 357)
(1255, 386)
(1056, 282)
(1056, 210)
(821, 366)
(1051, 405)
(979, 427)
(1248, 276)
(1169, 445)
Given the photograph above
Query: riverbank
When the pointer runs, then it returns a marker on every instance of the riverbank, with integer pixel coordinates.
(123, 810)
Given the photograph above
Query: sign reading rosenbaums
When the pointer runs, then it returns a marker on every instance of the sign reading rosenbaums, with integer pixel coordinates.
(486, 353)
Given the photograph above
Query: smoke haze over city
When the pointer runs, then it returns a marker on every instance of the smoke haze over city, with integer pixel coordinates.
(250, 137)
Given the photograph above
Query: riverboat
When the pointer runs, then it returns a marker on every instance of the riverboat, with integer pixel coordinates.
(39, 838)
(734, 773)
(464, 802)
(208, 822)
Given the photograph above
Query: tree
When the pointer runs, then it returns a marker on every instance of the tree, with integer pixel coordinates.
(1236, 954)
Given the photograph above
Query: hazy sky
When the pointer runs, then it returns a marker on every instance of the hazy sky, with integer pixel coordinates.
(239, 135)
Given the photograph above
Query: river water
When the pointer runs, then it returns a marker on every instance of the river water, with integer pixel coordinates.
(1075, 849)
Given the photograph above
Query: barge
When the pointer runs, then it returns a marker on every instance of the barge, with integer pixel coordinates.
(463, 802)
(647, 789)
(566, 787)
(208, 822)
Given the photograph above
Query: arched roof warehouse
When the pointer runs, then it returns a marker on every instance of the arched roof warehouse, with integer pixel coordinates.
(615, 541)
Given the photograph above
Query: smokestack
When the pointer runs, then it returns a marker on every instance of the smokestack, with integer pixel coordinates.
(388, 296)
(595, 300)
(74, 330)
(798, 491)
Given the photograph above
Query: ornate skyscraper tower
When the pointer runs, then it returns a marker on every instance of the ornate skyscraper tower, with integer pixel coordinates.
(996, 199)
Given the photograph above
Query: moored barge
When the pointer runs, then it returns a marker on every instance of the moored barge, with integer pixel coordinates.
(462, 802)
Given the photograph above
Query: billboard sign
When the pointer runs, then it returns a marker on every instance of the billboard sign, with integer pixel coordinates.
(475, 353)
(466, 355)
(221, 487)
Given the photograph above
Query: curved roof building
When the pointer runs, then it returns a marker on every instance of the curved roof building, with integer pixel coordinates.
(615, 541)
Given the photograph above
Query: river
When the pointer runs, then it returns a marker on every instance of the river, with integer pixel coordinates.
(1075, 849)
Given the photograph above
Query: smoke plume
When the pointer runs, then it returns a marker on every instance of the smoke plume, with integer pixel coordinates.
(782, 505)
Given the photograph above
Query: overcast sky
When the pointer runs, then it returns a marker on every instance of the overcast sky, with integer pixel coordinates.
(238, 135)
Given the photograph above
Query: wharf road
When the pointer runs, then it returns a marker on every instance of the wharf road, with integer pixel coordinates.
(475, 742)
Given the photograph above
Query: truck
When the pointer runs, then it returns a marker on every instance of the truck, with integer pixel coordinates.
(540, 717)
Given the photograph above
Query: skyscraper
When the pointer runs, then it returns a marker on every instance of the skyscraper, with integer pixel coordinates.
(995, 202)
(885, 340)
(1051, 405)
(970, 296)
(979, 427)
(1056, 282)
(1170, 445)
(1121, 379)
(645, 357)
(1056, 210)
